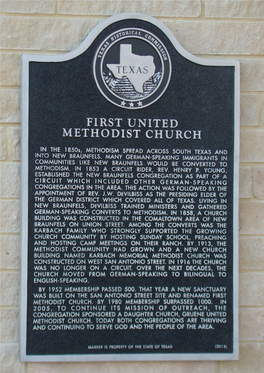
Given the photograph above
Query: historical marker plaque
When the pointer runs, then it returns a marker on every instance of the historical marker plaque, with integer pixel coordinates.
(129, 200)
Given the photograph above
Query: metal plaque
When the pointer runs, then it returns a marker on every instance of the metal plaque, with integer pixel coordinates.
(129, 223)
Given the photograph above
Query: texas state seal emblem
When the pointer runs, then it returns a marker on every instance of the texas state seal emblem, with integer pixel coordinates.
(132, 68)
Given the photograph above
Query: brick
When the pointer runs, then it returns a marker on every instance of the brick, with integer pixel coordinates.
(198, 37)
(251, 252)
(9, 222)
(251, 146)
(251, 291)
(221, 37)
(251, 321)
(252, 75)
(262, 112)
(251, 359)
(10, 101)
(13, 143)
(10, 359)
(169, 8)
(258, 182)
(234, 8)
(9, 325)
(2, 144)
(43, 33)
(9, 180)
(9, 253)
(124, 367)
(245, 182)
(9, 69)
(251, 217)
(9, 288)
(24, 6)
(249, 110)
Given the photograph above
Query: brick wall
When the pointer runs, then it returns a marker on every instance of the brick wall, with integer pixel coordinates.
(207, 28)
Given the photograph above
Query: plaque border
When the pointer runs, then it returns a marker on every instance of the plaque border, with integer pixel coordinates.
(24, 201)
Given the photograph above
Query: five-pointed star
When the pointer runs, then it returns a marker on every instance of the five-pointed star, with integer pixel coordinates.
(123, 103)
(131, 104)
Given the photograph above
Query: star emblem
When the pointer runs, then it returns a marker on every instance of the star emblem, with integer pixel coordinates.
(123, 103)
(131, 104)
(139, 103)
